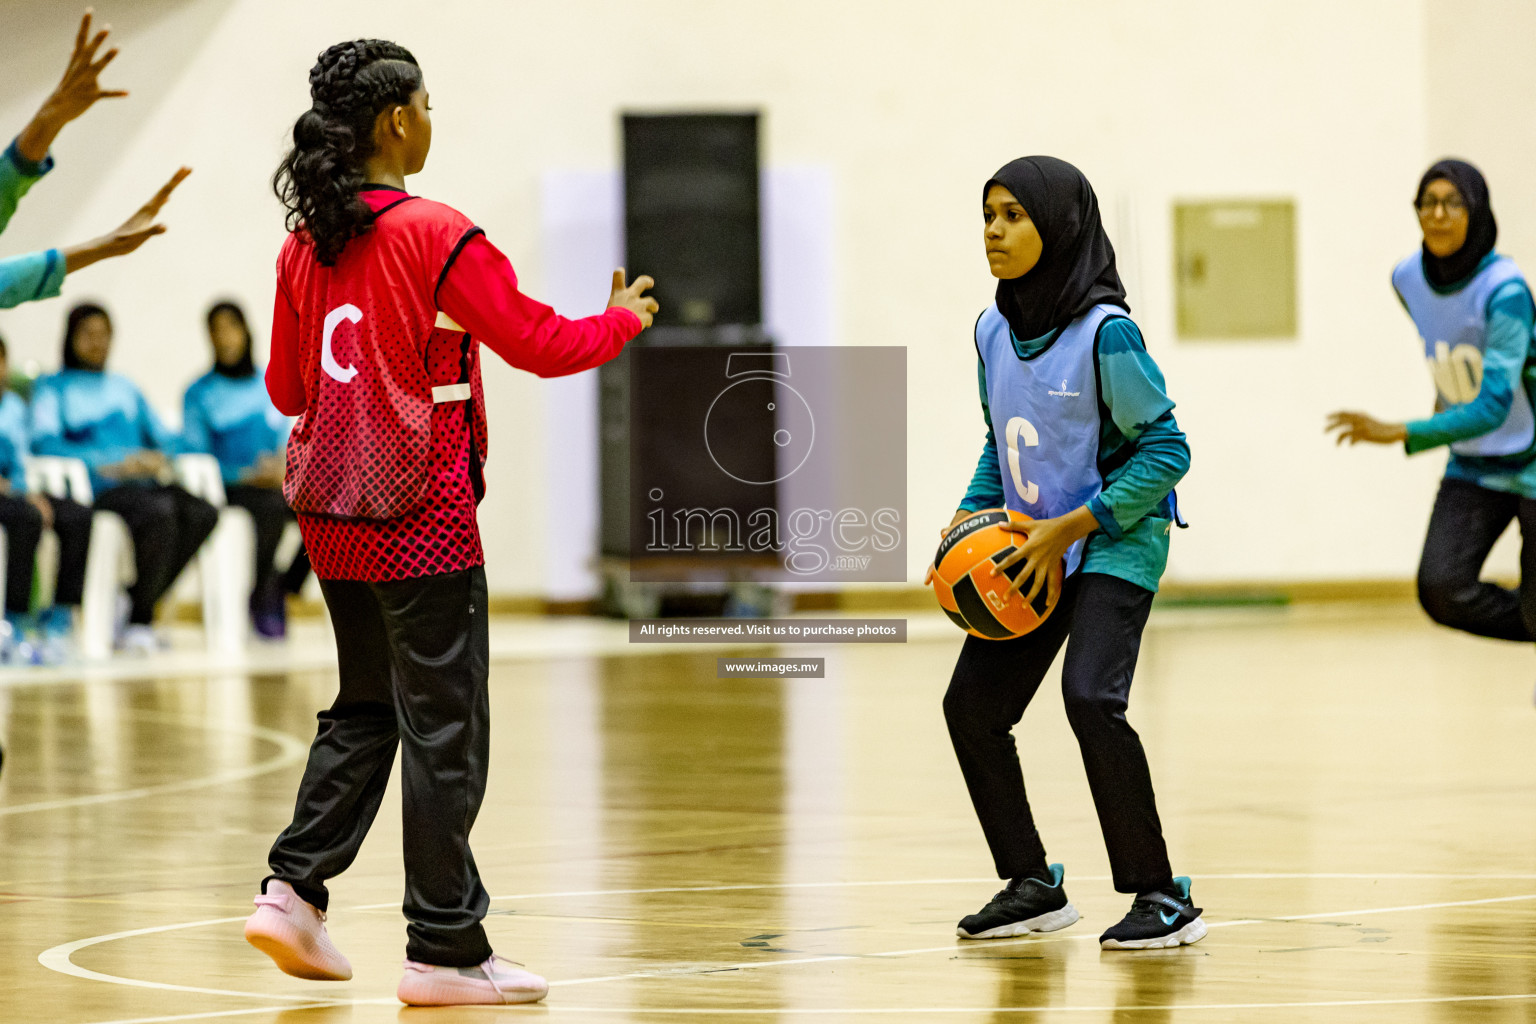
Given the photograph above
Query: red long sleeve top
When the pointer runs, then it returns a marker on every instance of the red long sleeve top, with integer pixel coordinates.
(478, 290)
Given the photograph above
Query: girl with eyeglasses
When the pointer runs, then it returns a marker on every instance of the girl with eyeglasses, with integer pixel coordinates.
(1473, 310)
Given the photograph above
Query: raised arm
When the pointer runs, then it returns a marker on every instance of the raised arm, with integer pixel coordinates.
(129, 235)
(76, 93)
(479, 291)
(40, 275)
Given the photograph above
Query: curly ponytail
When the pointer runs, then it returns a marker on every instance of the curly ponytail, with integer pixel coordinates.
(318, 181)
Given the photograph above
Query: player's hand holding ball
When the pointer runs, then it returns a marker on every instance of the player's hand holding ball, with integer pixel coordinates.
(1044, 543)
(633, 298)
(982, 564)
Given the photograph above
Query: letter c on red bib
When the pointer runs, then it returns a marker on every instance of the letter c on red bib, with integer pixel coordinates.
(328, 361)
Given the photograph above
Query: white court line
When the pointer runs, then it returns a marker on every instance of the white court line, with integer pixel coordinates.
(1147, 1008)
(311, 1005)
(994, 943)
(58, 958)
(292, 751)
(1248, 876)
(868, 1011)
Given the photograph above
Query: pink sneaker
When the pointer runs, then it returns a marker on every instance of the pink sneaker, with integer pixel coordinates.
(496, 981)
(292, 933)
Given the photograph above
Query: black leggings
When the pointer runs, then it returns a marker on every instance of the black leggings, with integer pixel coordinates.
(270, 514)
(168, 525)
(994, 682)
(23, 529)
(1466, 522)
(413, 656)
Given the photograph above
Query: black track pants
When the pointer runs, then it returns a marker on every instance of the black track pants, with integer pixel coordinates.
(993, 683)
(270, 514)
(1466, 521)
(413, 656)
(168, 525)
(23, 529)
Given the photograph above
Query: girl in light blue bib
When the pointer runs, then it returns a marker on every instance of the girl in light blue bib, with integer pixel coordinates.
(1081, 438)
(1474, 315)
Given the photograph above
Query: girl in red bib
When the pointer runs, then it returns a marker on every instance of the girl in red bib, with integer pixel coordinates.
(383, 300)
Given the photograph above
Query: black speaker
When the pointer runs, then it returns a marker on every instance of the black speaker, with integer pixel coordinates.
(691, 215)
(692, 222)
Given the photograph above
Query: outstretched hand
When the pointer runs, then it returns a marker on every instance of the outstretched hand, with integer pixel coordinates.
(1355, 427)
(131, 234)
(76, 92)
(633, 298)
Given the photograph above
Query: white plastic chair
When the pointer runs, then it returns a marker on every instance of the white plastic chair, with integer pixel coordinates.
(110, 562)
(225, 563)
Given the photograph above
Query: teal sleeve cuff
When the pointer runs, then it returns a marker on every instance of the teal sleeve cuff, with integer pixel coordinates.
(53, 275)
(35, 275)
(24, 167)
(1106, 518)
(1417, 441)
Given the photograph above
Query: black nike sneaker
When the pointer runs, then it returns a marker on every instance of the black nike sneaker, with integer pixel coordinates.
(1026, 905)
(1158, 920)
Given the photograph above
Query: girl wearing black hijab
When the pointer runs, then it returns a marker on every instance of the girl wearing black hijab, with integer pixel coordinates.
(1473, 310)
(228, 414)
(1081, 438)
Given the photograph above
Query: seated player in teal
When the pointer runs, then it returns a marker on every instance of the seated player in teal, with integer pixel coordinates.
(228, 414)
(1473, 310)
(1080, 437)
(87, 412)
(25, 514)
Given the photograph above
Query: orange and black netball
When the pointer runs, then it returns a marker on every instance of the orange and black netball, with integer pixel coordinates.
(970, 588)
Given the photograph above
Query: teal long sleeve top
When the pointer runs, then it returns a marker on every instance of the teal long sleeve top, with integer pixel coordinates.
(1141, 445)
(15, 441)
(98, 417)
(232, 419)
(35, 275)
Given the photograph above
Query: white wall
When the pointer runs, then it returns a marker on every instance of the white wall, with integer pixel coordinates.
(911, 105)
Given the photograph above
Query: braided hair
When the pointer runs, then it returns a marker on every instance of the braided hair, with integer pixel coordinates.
(318, 181)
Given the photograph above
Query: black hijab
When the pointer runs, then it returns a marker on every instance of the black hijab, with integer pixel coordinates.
(242, 367)
(1077, 264)
(77, 314)
(1482, 229)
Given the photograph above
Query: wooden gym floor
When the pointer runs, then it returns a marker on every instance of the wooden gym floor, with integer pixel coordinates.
(1353, 790)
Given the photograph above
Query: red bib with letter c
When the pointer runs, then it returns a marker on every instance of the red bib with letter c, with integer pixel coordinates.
(380, 363)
